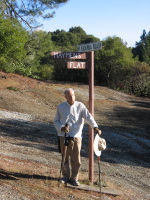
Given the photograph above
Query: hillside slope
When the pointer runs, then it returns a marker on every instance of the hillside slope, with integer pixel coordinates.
(29, 159)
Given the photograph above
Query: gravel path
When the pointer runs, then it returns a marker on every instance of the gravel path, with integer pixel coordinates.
(15, 115)
(124, 164)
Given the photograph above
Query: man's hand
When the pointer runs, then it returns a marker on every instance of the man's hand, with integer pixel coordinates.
(97, 131)
(65, 129)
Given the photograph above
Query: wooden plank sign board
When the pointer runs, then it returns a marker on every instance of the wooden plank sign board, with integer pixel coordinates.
(77, 65)
(95, 189)
(69, 55)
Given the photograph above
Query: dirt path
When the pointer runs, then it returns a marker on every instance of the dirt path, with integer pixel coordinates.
(29, 159)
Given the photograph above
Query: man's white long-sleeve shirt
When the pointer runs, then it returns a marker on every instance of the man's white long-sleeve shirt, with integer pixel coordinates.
(73, 115)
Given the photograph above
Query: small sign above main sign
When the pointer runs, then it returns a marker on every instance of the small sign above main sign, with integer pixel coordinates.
(89, 47)
(69, 55)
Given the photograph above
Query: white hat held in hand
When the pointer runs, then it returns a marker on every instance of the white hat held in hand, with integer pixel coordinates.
(99, 145)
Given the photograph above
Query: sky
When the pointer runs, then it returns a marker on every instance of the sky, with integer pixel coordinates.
(102, 18)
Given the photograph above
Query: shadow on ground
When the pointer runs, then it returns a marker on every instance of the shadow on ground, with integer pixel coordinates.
(7, 175)
(124, 146)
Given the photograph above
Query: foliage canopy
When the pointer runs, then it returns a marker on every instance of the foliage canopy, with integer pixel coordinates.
(142, 48)
(12, 41)
(27, 10)
(116, 65)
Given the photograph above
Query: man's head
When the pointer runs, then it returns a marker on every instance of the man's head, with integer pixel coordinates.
(70, 96)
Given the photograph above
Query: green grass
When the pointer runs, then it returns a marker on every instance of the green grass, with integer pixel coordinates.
(12, 88)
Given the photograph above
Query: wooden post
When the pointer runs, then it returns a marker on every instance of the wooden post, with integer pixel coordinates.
(91, 110)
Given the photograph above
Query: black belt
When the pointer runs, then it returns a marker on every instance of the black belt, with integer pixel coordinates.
(67, 139)
(70, 138)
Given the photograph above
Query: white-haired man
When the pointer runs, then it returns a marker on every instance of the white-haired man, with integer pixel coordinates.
(69, 122)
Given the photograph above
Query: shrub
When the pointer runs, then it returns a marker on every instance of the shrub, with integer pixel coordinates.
(19, 68)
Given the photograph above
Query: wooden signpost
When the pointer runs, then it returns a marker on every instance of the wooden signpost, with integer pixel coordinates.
(85, 51)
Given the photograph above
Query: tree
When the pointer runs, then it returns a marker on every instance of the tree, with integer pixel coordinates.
(38, 49)
(112, 62)
(65, 41)
(38, 45)
(26, 11)
(89, 39)
(138, 80)
(12, 41)
(77, 29)
(142, 49)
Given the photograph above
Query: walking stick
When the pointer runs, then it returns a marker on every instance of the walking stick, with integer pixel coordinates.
(63, 153)
(99, 145)
(98, 158)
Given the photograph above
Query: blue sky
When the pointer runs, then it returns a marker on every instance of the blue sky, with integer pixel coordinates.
(102, 18)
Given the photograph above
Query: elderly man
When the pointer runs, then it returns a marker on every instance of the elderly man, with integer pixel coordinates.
(69, 122)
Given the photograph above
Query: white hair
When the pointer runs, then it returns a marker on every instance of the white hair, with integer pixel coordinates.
(68, 90)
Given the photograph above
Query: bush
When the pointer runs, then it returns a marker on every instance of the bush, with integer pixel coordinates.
(138, 81)
(19, 68)
(46, 72)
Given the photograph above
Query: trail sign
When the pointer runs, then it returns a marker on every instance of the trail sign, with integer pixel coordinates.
(69, 55)
(89, 47)
(77, 65)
